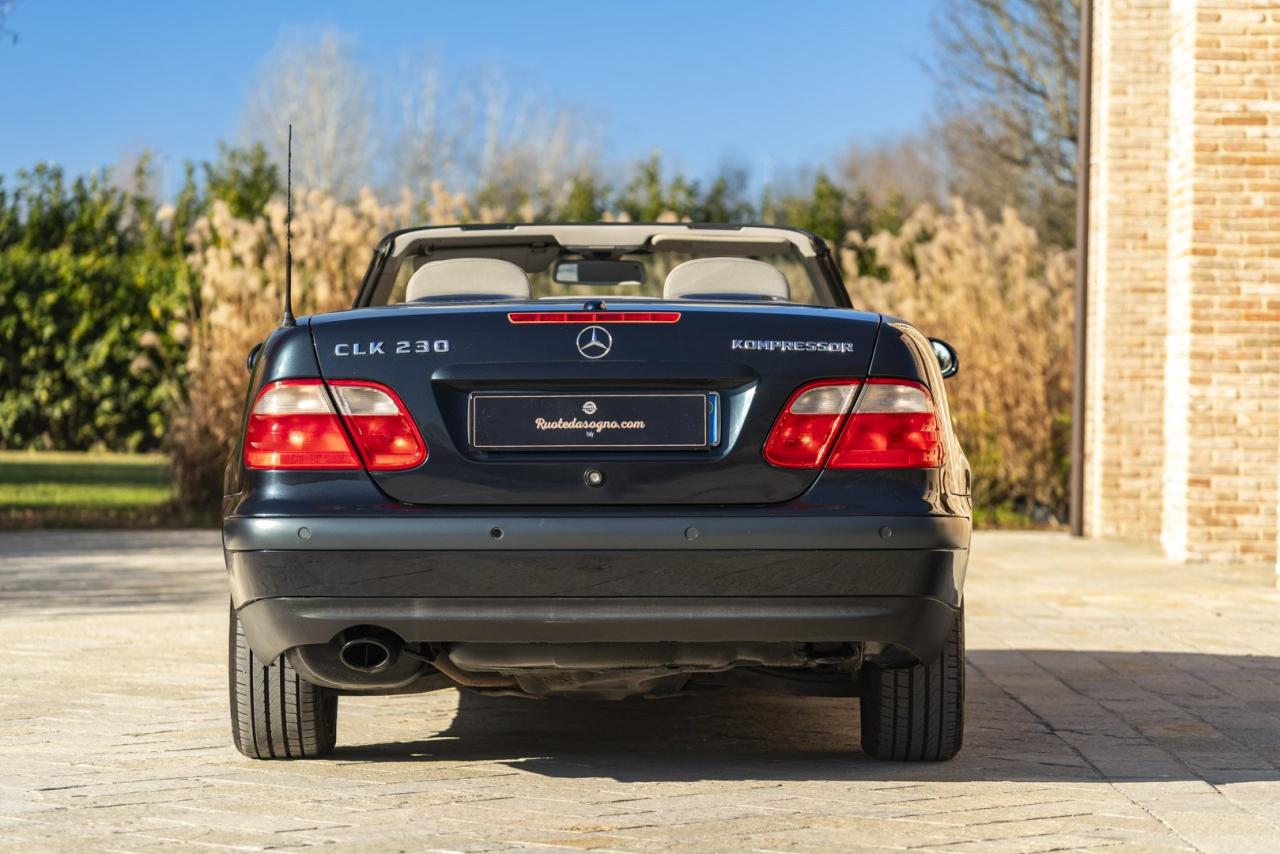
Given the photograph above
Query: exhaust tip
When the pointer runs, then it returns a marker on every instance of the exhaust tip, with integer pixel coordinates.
(365, 655)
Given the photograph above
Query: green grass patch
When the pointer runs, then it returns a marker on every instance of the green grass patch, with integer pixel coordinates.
(54, 490)
(31, 480)
(1009, 518)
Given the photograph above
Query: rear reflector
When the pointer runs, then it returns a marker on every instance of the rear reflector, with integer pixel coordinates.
(891, 425)
(594, 316)
(294, 426)
(386, 436)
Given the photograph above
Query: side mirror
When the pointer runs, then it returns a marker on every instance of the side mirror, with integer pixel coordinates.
(948, 360)
(257, 351)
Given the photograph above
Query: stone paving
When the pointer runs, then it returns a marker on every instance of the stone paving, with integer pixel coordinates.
(1116, 702)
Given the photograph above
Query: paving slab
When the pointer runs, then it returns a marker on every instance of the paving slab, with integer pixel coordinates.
(1116, 701)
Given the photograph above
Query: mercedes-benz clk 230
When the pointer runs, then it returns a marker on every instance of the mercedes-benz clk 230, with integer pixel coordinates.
(603, 461)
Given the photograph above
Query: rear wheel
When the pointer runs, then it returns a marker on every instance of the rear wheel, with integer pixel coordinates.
(916, 714)
(274, 713)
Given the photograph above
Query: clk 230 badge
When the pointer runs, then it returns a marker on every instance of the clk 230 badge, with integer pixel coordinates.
(792, 346)
(397, 348)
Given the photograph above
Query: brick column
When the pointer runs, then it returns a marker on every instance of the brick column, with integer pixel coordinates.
(1222, 405)
(1128, 220)
(1184, 288)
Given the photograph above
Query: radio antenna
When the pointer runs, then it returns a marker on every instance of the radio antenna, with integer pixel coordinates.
(288, 319)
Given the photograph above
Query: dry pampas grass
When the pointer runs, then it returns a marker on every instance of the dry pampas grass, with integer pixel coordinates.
(1005, 302)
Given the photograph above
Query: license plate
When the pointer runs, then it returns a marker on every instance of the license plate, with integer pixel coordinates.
(657, 421)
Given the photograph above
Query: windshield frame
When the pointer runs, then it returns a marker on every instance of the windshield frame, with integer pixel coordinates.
(808, 248)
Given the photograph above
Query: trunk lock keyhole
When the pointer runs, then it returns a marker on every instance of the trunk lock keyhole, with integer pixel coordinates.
(593, 477)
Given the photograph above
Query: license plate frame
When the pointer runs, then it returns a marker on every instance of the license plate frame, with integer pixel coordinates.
(692, 421)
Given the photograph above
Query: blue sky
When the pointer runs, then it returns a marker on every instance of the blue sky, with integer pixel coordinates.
(772, 86)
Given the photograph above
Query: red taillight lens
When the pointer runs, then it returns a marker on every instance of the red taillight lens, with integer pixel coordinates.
(293, 426)
(893, 426)
(808, 424)
(385, 434)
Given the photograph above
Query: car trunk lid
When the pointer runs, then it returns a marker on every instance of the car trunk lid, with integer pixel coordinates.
(535, 404)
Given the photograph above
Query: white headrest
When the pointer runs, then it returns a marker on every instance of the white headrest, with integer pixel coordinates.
(467, 277)
(726, 276)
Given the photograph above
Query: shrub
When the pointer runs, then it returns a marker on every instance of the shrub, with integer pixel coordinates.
(1005, 302)
(74, 373)
(87, 268)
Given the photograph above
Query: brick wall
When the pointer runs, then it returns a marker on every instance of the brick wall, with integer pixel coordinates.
(1184, 349)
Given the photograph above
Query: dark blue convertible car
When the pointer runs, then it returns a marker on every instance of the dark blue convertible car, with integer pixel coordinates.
(599, 461)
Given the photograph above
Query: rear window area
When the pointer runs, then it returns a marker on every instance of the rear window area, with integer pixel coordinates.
(656, 266)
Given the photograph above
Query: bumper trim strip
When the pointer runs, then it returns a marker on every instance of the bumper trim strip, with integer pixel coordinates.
(622, 532)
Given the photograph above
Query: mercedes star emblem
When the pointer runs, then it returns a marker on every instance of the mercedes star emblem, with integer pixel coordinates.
(594, 342)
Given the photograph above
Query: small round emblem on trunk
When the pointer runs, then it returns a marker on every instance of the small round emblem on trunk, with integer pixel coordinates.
(593, 477)
(595, 342)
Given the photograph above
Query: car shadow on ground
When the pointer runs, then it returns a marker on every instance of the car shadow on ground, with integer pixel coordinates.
(1033, 715)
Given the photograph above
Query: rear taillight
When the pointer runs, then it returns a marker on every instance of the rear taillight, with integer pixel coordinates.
(293, 425)
(892, 424)
(385, 434)
(803, 433)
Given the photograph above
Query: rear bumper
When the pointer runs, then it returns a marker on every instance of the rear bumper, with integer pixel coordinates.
(918, 623)
(301, 580)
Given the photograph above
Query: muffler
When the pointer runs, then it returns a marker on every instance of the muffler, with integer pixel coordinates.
(470, 679)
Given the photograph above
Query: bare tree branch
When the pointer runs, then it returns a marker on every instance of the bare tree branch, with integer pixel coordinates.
(512, 149)
(1008, 79)
(1014, 62)
(318, 87)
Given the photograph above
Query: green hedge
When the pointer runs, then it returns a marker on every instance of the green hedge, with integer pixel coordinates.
(73, 372)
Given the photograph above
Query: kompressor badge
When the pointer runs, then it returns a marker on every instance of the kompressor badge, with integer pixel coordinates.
(792, 346)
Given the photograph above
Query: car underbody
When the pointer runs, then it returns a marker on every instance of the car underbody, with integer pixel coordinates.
(596, 671)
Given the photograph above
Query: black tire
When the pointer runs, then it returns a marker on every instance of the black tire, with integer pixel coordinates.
(916, 714)
(274, 713)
